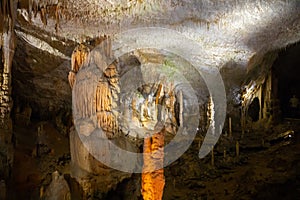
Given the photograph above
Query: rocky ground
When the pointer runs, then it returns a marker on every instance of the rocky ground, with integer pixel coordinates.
(31, 171)
(267, 166)
(266, 169)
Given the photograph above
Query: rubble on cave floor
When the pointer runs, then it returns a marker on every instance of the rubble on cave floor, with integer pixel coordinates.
(269, 172)
(36, 158)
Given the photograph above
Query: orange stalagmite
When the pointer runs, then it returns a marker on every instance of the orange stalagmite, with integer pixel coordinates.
(153, 182)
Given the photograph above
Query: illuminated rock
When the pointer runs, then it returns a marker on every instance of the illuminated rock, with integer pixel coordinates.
(153, 180)
(58, 188)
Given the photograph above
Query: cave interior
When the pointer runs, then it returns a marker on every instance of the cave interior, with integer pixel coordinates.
(149, 99)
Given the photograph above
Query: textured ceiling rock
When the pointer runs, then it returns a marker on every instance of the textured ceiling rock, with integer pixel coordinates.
(230, 32)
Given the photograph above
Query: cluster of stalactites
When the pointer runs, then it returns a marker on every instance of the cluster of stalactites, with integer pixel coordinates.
(79, 57)
(106, 44)
(106, 101)
(153, 180)
(46, 8)
(101, 99)
(153, 103)
(105, 118)
(6, 15)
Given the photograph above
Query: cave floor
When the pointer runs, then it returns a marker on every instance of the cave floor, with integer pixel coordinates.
(31, 171)
(269, 170)
(262, 171)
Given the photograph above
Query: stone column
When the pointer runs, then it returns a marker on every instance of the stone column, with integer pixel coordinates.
(7, 49)
(153, 181)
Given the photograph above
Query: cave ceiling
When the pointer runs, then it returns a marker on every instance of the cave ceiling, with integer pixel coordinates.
(229, 32)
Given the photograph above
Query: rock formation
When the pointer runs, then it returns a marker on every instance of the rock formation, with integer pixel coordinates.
(96, 97)
(153, 180)
(58, 188)
(79, 56)
(229, 34)
(7, 50)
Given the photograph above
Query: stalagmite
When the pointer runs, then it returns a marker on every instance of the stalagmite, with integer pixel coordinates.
(212, 157)
(237, 148)
(180, 109)
(230, 127)
(58, 188)
(153, 181)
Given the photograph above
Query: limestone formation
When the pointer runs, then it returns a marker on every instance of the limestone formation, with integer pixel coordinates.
(58, 188)
(79, 57)
(153, 181)
(227, 34)
(97, 99)
(7, 51)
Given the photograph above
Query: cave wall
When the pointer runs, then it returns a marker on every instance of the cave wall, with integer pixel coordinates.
(7, 49)
(286, 72)
(48, 31)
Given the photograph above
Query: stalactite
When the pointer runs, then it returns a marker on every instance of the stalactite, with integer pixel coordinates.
(7, 47)
(6, 15)
(158, 93)
(57, 16)
(71, 78)
(153, 181)
(35, 4)
(30, 8)
(172, 104)
(43, 15)
(46, 9)
(104, 101)
(79, 57)
(85, 94)
(103, 97)
(211, 110)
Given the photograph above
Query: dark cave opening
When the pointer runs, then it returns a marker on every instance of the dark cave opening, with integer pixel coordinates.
(286, 70)
(254, 109)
